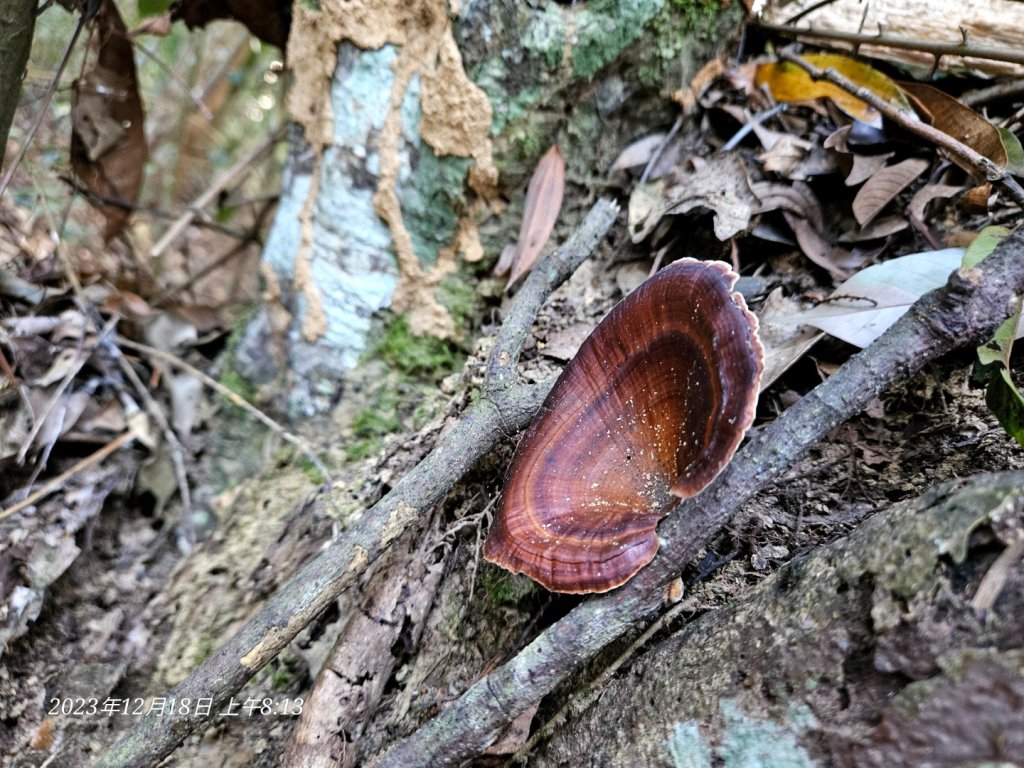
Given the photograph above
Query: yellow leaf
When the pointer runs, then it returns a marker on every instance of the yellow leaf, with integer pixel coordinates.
(790, 83)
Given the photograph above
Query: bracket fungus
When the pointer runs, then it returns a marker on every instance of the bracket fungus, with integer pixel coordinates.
(649, 411)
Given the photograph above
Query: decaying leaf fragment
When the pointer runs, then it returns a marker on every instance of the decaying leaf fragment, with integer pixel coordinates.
(718, 183)
(863, 307)
(540, 212)
(108, 144)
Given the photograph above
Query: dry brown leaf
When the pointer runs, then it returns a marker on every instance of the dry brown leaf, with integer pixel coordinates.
(540, 212)
(158, 26)
(784, 341)
(186, 393)
(108, 144)
(168, 331)
(106, 417)
(865, 166)
(720, 184)
(506, 259)
(638, 153)
(785, 154)
(880, 189)
(797, 198)
(817, 248)
(838, 140)
(877, 228)
(516, 735)
(688, 97)
(965, 125)
(926, 194)
(976, 199)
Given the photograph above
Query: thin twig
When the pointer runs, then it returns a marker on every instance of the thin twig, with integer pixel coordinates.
(583, 700)
(210, 193)
(54, 483)
(649, 168)
(235, 399)
(909, 122)
(177, 450)
(1001, 90)
(177, 80)
(88, 11)
(937, 49)
(96, 199)
(247, 238)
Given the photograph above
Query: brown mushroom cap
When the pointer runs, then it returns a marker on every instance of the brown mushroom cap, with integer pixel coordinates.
(650, 410)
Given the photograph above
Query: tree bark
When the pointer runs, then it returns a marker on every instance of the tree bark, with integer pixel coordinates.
(17, 23)
(804, 668)
(411, 124)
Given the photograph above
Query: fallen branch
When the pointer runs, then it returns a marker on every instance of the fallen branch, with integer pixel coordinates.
(937, 49)
(965, 311)
(909, 122)
(506, 406)
(242, 166)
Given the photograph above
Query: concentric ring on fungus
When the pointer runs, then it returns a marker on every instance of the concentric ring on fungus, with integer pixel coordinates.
(649, 411)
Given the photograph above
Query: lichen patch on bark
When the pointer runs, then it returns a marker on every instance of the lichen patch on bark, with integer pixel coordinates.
(456, 120)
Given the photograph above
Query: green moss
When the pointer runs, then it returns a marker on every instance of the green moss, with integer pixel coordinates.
(458, 294)
(504, 588)
(238, 384)
(422, 356)
(287, 666)
(544, 35)
(605, 28)
(676, 28)
(310, 470)
(371, 425)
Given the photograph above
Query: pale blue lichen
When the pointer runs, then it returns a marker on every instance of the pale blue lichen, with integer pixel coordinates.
(686, 747)
(544, 35)
(749, 742)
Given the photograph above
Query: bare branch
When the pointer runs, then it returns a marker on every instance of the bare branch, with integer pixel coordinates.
(960, 48)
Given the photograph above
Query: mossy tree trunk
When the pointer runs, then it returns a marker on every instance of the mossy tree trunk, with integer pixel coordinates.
(414, 126)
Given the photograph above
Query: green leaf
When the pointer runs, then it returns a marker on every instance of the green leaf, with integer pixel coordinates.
(984, 244)
(153, 7)
(1014, 151)
(1006, 403)
(1002, 396)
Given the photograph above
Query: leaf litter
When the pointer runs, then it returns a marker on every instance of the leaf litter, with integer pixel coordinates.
(782, 177)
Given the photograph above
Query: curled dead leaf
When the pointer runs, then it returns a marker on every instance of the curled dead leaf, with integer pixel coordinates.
(965, 125)
(108, 144)
(719, 184)
(880, 189)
